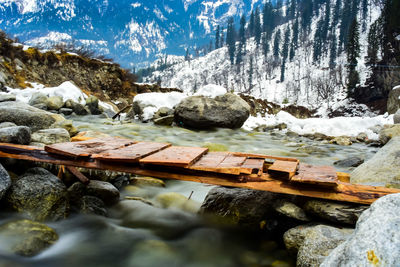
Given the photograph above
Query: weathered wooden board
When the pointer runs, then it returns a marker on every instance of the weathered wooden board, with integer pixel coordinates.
(342, 192)
(209, 162)
(316, 175)
(283, 169)
(175, 156)
(252, 166)
(89, 147)
(132, 153)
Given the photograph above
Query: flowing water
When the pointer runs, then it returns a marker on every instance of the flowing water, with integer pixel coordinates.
(136, 234)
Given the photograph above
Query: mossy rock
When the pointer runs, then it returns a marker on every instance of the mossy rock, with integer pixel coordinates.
(27, 238)
(147, 181)
(178, 201)
(214, 147)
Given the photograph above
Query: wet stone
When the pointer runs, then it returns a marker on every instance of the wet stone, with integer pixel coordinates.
(349, 162)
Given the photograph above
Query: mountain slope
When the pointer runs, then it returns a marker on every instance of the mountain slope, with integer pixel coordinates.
(128, 31)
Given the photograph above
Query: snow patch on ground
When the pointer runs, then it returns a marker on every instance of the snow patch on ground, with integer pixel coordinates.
(339, 126)
(154, 101)
(211, 90)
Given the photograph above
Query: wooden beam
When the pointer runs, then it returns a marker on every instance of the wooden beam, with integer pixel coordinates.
(342, 192)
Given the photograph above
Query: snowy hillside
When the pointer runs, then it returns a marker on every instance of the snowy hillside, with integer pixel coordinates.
(128, 31)
(306, 82)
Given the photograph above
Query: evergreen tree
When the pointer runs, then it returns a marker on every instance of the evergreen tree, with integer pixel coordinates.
(295, 34)
(242, 30)
(325, 28)
(277, 41)
(221, 39)
(251, 73)
(317, 46)
(257, 26)
(292, 9)
(373, 43)
(333, 51)
(265, 44)
(251, 24)
(267, 18)
(336, 15)
(217, 36)
(187, 55)
(285, 48)
(306, 15)
(353, 52)
(239, 56)
(230, 39)
(283, 67)
(291, 53)
(364, 14)
(346, 19)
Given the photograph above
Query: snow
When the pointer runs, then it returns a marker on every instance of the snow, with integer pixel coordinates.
(396, 87)
(154, 101)
(339, 126)
(211, 90)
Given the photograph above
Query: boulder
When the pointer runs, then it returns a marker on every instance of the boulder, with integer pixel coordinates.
(349, 162)
(396, 117)
(78, 109)
(163, 112)
(382, 168)
(290, 210)
(38, 99)
(313, 243)
(26, 238)
(102, 190)
(51, 136)
(178, 201)
(16, 135)
(227, 111)
(341, 141)
(92, 103)
(67, 125)
(39, 194)
(92, 205)
(388, 132)
(147, 181)
(393, 103)
(7, 97)
(66, 111)
(376, 239)
(5, 181)
(54, 102)
(165, 121)
(334, 211)
(248, 209)
(25, 115)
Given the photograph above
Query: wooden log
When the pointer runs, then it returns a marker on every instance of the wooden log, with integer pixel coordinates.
(342, 192)
(81, 177)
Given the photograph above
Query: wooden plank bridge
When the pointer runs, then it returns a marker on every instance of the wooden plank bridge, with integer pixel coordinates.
(197, 164)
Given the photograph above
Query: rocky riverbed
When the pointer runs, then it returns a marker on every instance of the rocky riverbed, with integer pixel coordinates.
(125, 220)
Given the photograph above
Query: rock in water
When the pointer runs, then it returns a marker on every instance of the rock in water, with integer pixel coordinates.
(334, 211)
(227, 111)
(54, 102)
(5, 181)
(103, 190)
(396, 117)
(92, 103)
(382, 168)
(26, 115)
(376, 239)
(349, 162)
(393, 103)
(7, 97)
(313, 243)
(38, 99)
(26, 238)
(51, 136)
(16, 135)
(388, 132)
(92, 205)
(40, 194)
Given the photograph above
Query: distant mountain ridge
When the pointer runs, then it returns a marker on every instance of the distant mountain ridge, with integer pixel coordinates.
(130, 32)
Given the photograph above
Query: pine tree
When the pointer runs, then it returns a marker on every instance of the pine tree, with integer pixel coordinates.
(317, 46)
(250, 77)
(364, 14)
(265, 44)
(306, 15)
(217, 36)
(277, 42)
(257, 26)
(251, 24)
(267, 18)
(230, 39)
(285, 48)
(336, 15)
(333, 52)
(373, 43)
(353, 52)
(346, 19)
(292, 9)
(242, 30)
(239, 55)
(283, 67)
(187, 55)
(325, 27)
(295, 32)
(291, 53)
(221, 38)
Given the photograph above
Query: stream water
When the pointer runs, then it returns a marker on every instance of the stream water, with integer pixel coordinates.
(136, 234)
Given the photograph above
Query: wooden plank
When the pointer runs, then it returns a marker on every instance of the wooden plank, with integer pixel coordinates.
(81, 177)
(252, 166)
(260, 156)
(175, 156)
(88, 147)
(343, 177)
(342, 192)
(209, 162)
(283, 169)
(316, 175)
(132, 153)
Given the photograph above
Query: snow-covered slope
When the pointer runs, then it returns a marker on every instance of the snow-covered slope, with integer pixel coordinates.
(306, 83)
(129, 31)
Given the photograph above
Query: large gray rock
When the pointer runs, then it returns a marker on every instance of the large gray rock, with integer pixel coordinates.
(382, 168)
(91, 205)
(376, 239)
(393, 103)
(7, 97)
(349, 162)
(248, 209)
(313, 243)
(79, 109)
(7, 124)
(396, 117)
(388, 132)
(26, 238)
(25, 115)
(38, 99)
(39, 194)
(51, 136)
(16, 135)
(92, 103)
(103, 190)
(227, 111)
(334, 211)
(5, 181)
